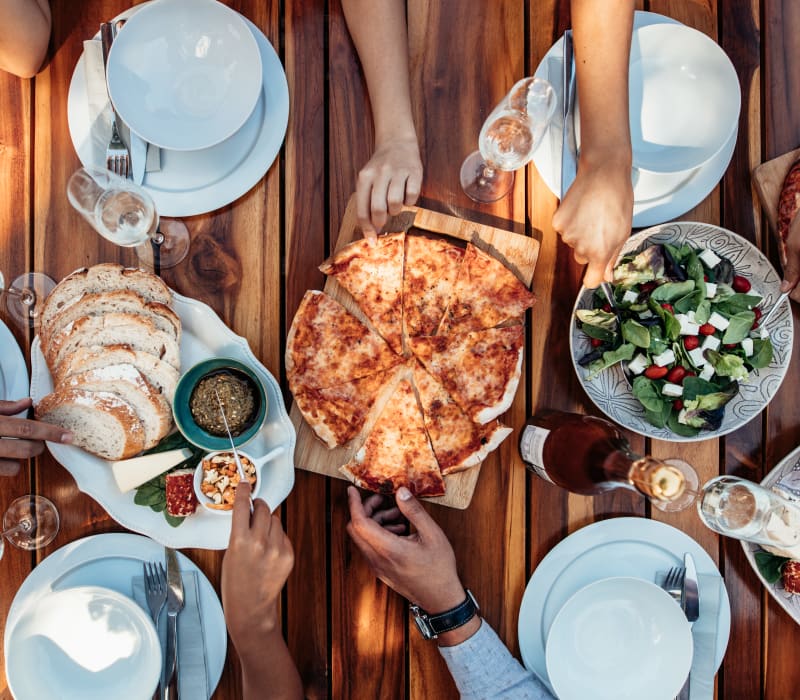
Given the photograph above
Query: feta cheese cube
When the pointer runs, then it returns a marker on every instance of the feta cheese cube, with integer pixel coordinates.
(688, 327)
(673, 390)
(708, 372)
(629, 297)
(697, 357)
(710, 343)
(718, 321)
(638, 364)
(665, 358)
(747, 346)
(709, 258)
(682, 416)
(690, 315)
(711, 290)
(646, 314)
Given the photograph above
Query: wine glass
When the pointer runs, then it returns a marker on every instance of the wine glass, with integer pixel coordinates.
(25, 296)
(31, 522)
(125, 214)
(508, 138)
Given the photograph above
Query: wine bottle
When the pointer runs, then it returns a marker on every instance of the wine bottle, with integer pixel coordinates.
(589, 455)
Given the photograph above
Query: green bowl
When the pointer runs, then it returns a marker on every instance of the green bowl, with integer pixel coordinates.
(183, 414)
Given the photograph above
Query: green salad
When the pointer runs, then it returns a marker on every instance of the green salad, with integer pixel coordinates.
(687, 332)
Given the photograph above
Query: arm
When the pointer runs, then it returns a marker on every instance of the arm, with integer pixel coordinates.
(422, 568)
(29, 436)
(24, 35)
(254, 570)
(393, 176)
(594, 217)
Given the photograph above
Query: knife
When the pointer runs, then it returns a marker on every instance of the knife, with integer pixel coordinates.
(690, 596)
(169, 680)
(569, 148)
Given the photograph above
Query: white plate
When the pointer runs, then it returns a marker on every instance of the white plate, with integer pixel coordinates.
(184, 74)
(610, 391)
(13, 371)
(204, 335)
(84, 643)
(620, 638)
(636, 547)
(788, 601)
(112, 561)
(195, 182)
(658, 197)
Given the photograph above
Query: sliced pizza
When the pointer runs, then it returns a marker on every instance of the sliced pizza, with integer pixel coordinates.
(480, 370)
(485, 294)
(337, 413)
(327, 345)
(397, 451)
(373, 274)
(430, 271)
(458, 442)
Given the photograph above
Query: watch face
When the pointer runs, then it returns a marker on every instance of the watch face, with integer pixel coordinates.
(423, 627)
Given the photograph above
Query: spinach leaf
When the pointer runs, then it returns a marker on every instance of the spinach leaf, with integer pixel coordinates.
(636, 333)
(762, 353)
(172, 520)
(658, 418)
(680, 428)
(770, 565)
(599, 324)
(703, 312)
(738, 302)
(610, 357)
(669, 291)
(695, 271)
(739, 327)
(695, 386)
(171, 442)
(690, 302)
(672, 327)
(649, 394)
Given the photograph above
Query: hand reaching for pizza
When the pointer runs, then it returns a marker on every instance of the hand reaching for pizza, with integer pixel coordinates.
(791, 262)
(595, 216)
(30, 436)
(391, 178)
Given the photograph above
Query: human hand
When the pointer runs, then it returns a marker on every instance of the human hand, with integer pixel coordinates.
(595, 216)
(421, 566)
(30, 435)
(255, 568)
(791, 265)
(391, 178)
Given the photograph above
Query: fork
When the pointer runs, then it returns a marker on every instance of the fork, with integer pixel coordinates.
(118, 159)
(155, 589)
(673, 584)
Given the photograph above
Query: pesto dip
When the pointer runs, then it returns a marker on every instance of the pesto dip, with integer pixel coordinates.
(238, 396)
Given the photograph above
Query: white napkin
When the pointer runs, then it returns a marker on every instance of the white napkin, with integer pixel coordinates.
(704, 633)
(100, 109)
(193, 682)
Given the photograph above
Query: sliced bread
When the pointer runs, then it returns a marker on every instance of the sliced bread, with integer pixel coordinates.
(152, 408)
(163, 376)
(105, 277)
(102, 423)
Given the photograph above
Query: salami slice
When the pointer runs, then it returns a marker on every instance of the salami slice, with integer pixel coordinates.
(788, 206)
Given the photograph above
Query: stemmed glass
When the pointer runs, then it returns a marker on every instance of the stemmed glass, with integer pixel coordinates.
(31, 522)
(25, 296)
(125, 214)
(508, 138)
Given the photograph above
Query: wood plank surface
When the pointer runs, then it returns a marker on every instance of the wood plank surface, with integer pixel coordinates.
(253, 259)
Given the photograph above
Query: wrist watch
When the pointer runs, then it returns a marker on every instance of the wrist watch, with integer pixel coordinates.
(431, 626)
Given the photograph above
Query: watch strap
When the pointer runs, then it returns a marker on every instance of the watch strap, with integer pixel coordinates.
(432, 626)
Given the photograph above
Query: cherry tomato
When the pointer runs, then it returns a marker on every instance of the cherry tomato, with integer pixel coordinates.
(668, 307)
(689, 373)
(648, 287)
(759, 313)
(607, 308)
(707, 329)
(690, 342)
(596, 342)
(740, 284)
(729, 346)
(676, 374)
(677, 404)
(655, 372)
(705, 278)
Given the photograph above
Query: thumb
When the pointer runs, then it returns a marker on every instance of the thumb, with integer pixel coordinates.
(412, 509)
(594, 275)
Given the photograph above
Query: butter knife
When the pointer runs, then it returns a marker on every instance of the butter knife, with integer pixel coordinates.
(690, 596)
(569, 148)
(169, 681)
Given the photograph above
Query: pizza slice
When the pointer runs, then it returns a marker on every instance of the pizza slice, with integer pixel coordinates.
(373, 274)
(458, 442)
(480, 370)
(397, 451)
(430, 271)
(327, 345)
(485, 294)
(337, 413)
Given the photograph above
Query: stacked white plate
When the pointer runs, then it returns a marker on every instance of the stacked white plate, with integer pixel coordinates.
(204, 85)
(685, 101)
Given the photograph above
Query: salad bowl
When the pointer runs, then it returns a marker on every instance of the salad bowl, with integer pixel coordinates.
(612, 393)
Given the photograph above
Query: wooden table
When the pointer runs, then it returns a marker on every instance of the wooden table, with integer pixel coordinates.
(252, 261)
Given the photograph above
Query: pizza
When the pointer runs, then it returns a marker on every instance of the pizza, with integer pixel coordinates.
(397, 451)
(788, 206)
(373, 274)
(327, 345)
(430, 271)
(485, 294)
(458, 442)
(480, 370)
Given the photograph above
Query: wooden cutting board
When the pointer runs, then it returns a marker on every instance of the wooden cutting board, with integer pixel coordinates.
(517, 252)
(768, 179)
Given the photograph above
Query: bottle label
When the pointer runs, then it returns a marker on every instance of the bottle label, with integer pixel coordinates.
(531, 447)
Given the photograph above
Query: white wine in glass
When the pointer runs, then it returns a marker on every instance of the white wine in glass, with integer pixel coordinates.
(508, 138)
(31, 522)
(25, 296)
